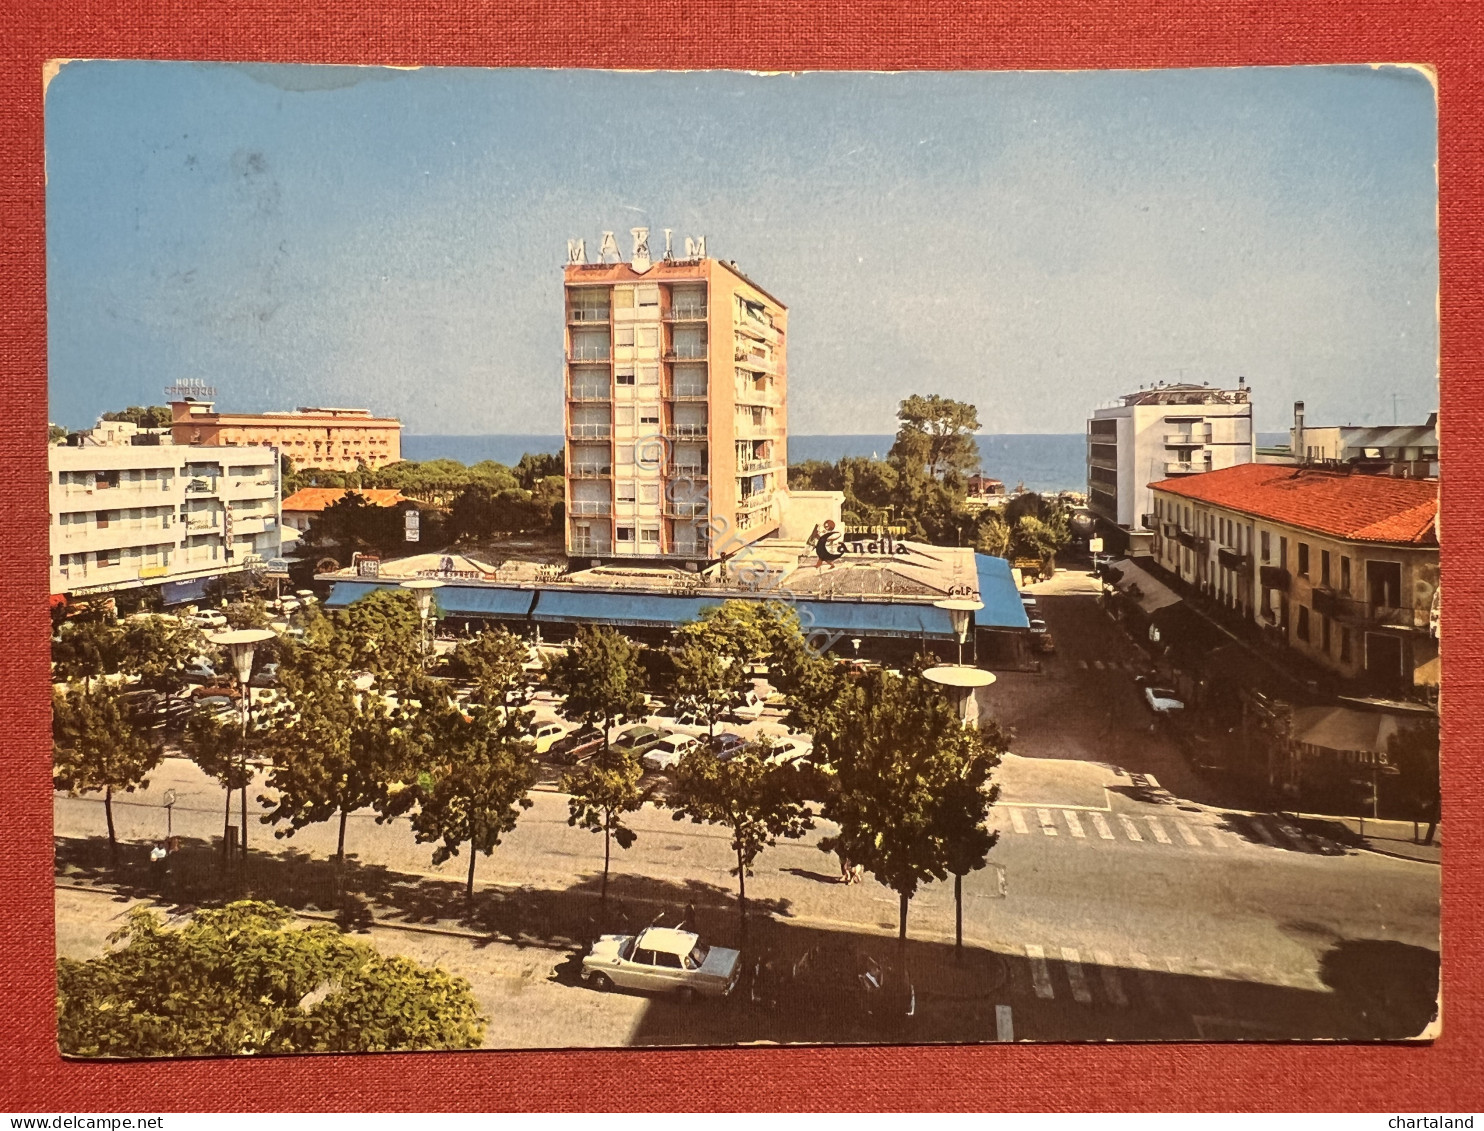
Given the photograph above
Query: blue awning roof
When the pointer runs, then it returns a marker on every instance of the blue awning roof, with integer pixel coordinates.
(869, 619)
(348, 592)
(619, 608)
(483, 601)
(184, 592)
(1001, 596)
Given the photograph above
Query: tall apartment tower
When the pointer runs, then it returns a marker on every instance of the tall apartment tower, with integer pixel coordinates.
(1157, 433)
(676, 409)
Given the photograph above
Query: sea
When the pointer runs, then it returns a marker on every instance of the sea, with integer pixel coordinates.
(1043, 462)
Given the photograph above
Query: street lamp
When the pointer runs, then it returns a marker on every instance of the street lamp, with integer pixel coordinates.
(961, 682)
(960, 609)
(423, 587)
(240, 644)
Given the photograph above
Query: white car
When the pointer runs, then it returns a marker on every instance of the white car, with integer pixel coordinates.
(208, 618)
(668, 751)
(787, 750)
(1162, 700)
(664, 960)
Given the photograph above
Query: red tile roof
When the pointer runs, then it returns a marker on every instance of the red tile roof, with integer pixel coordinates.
(1363, 508)
(314, 499)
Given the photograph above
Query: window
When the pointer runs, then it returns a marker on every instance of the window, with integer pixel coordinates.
(1324, 623)
(650, 536)
(1303, 559)
(624, 492)
(624, 414)
(624, 375)
(105, 479)
(1344, 573)
(623, 336)
(649, 374)
(1303, 622)
(1384, 581)
(666, 959)
(648, 295)
(1267, 547)
(644, 956)
(109, 557)
(649, 414)
(625, 533)
(1324, 567)
(102, 520)
(649, 336)
(1344, 645)
(623, 298)
(1282, 553)
(649, 492)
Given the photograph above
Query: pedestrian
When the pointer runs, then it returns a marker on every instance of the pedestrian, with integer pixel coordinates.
(857, 874)
(690, 916)
(844, 866)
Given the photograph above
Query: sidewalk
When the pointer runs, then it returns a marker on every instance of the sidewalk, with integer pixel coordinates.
(1388, 838)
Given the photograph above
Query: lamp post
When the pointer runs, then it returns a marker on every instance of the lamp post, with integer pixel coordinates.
(423, 587)
(961, 609)
(961, 682)
(240, 644)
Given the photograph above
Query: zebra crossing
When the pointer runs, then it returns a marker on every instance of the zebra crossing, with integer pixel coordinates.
(1251, 831)
(1162, 984)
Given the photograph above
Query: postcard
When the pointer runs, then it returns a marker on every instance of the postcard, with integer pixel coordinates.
(553, 558)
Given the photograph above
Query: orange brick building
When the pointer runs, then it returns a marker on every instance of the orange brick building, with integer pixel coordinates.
(337, 439)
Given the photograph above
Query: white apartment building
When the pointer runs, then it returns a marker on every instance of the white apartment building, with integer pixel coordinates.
(127, 516)
(1157, 433)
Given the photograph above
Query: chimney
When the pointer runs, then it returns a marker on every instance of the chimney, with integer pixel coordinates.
(1296, 437)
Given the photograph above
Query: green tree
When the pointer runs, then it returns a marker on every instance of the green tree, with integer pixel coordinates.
(86, 647)
(494, 661)
(600, 678)
(707, 682)
(936, 435)
(479, 770)
(55, 433)
(896, 746)
(756, 802)
(962, 808)
(601, 793)
(157, 648)
(244, 979)
(154, 416)
(537, 466)
(95, 747)
(336, 748)
(1414, 752)
(379, 633)
(355, 524)
(994, 537)
(737, 630)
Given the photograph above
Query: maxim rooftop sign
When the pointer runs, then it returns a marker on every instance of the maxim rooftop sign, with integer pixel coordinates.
(641, 260)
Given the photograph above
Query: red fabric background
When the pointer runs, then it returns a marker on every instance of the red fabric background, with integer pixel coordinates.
(767, 35)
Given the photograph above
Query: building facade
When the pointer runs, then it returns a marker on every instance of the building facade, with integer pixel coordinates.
(1342, 569)
(676, 412)
(132, 516)
(1405, 451)
(337, 439)
(1157, 433)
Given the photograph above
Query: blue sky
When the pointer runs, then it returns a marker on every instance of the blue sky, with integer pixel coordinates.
(1037, 243)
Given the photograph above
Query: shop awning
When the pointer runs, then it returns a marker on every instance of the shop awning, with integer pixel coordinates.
(1003, 607)
(483, 601)
(870, 619)
(640, 611)
(1345, 729)
(1145, 590)
(348, 592)
(184, 592)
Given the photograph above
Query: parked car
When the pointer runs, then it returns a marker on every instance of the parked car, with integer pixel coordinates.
(752, 706)
(220, 707)
(143, 705)
(1161, 700)
(680, 717)
(199, 671)
(266, 676)
(726, 745)
(668, 751)
(207, 618)
(546, 736)
(577, 746)
(787, 750)
(289, 604)
(662, 960)
(636, 740)
(306, 596)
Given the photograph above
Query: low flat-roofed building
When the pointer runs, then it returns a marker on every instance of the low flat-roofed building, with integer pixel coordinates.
(337, 439)
(876, 599)
(130, 517)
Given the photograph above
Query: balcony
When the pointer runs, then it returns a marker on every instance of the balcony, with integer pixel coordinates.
(590, 507)
(686, 471)
(748, 466)
(200, 486)
(687, 353)
(589, 393)
(590, 470)
(1185, 467)
(1387, 616)
(588, 314)
(588, 353)
(590, 431)
(1233, 560)
(685, 508)
(588, 546)
(1192, 541)
(1325, 601)
(1273, 577)
(687, 312)
(1184, 440)
(685, 431)
(688, 393)
(754, 503)
(1149, 522)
